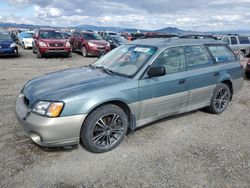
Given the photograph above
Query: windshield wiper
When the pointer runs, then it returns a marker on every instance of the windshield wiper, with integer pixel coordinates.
(105, 70)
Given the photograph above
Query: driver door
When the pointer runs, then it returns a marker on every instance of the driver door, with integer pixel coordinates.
(168, 94)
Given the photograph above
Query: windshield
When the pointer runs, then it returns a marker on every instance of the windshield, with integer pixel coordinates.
(90, 36)
(27, 35)
(4, 36)
(50, 35)
(126, 59)
(118, 39)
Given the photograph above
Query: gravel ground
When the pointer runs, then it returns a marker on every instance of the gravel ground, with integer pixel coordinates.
(195, 149)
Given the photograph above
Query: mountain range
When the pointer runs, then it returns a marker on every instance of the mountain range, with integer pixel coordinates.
(170, 30)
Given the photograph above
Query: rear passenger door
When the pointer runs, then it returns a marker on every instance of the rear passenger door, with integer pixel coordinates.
(168, 94)
(202, 76)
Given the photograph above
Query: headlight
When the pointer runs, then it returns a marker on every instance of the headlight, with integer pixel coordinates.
(67, 44)
(42, 44)
(51, 109)
(108, 44)
(91, 44)
(13, 45)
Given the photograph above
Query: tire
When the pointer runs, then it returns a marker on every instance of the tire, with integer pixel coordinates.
(104, 129)
(220, 99)
(24, 47)
(247, 74)
(16, 54)
(38, 54)
(84, 51)
(241, 55)
(69, 55)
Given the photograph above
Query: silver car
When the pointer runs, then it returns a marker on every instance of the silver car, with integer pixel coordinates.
(131, 86)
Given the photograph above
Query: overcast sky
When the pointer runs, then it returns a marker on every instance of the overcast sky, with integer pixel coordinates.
(202, 15)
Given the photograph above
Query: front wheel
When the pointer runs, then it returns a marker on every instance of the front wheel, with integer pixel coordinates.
(84, 51)
(104, 129)
(220, 99)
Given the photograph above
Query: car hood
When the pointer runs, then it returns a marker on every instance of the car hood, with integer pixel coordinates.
(28, 40)
(54, 40)
(5, 43)
(60, 85)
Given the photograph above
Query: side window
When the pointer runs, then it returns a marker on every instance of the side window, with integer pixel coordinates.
(197, 56)
(226, 39)
(233, 40)
(221, 53)
(243, 40)
(172, 59)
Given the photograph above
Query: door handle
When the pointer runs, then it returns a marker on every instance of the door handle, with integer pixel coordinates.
(182, 81)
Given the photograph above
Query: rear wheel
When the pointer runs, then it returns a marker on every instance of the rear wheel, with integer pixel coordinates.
(104, 129)
(84, 51)
(220, 99)
(241, 55)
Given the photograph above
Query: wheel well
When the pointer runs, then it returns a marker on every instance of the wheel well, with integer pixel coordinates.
(123, 106)
(230, 85)
(118, 103)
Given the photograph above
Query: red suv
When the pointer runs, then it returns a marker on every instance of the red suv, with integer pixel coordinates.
(49, 42)
(89, 43)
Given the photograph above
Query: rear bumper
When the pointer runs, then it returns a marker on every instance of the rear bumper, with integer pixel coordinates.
(49, 132)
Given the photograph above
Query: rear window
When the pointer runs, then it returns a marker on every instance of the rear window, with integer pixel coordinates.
(221, 53)
(244, 40)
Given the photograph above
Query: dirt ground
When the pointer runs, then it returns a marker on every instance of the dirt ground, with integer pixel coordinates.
(195, 149)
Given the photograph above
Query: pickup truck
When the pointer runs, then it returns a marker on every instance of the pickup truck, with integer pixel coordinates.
(239, 44)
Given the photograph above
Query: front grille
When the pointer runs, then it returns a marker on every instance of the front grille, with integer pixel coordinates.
(101, 47)
(56, 44)
(26, 101)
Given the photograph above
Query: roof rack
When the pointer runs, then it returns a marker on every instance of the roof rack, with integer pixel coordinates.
(199, 36)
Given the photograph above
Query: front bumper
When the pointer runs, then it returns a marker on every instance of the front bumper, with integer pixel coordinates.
(54, 50)
(97, 52)
(7, 51)
(49, 132)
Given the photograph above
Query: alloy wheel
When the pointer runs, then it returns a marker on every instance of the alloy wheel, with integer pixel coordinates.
(222, 98)
(107, 130)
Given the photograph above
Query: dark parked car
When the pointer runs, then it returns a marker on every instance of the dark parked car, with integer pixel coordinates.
(134, 36)
(247, 71)
(50, 42)
(7, 45)
(199, 36)
(158, 35)
(135, 84)
(89, 43)
(115, 40)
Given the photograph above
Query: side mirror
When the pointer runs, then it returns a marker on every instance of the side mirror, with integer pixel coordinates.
(156, 71)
